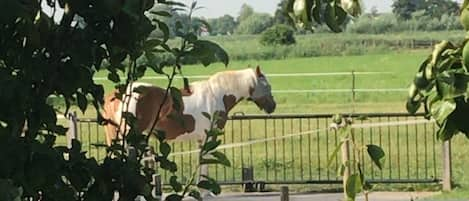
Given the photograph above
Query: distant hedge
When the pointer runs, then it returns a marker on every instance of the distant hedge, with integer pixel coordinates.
(278, 35)
(247, 47)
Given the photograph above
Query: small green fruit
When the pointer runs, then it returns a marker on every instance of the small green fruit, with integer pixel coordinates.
(465, 55)
(353, 7)
(420, 81)
(413, 91)
(465, 16)
(299, 8)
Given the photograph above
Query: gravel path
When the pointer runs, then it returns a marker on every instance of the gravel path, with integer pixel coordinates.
(375, 196)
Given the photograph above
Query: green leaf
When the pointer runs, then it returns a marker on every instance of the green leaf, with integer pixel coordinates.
(174, 3)
(114, 77)
(161, 13)
(132, 8)
(152, 43)
(214, 132)
(209, 184)
(412, 106)
(353, 186)
(222, 159)
(82, 102)
(208, 52)
(331, 17)
(334, 153)
(174, 197)
(196, 195)
(165, 164)
(165, 149)
(165, 29)
(376, 154)
(210, 145)
(341, 14)
(441, 109)
(438, 51)
(316, 12)
(160, 135)
(177, 99)
(130, 119)
(206, 161)
(447, 130)
(206, 115)
(177, 186)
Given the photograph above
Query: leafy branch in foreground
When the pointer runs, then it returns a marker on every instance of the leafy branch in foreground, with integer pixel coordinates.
(354, 182)
(441, 85)
(205, 52)
(42, 58)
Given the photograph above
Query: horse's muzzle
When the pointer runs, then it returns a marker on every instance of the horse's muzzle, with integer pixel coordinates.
(271, 109)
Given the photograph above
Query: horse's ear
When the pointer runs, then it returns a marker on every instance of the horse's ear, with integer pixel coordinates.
(258, 71)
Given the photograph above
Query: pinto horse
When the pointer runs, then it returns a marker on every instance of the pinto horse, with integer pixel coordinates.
(220, 93)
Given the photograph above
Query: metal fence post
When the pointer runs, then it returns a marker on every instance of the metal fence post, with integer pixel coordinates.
(345, 160)
(284, 195)
(72, 133)
(447, 169)
(353, 90)
(248, 179)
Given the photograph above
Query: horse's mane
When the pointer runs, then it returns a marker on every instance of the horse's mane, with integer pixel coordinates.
(235, 82)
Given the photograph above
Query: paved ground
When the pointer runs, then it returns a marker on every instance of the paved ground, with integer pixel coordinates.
(376, 196)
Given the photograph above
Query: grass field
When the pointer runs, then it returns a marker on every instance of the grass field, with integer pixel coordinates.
(401, 67)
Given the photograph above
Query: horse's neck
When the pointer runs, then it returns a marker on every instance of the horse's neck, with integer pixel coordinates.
(232, 87)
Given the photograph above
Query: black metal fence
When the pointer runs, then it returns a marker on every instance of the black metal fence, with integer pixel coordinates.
(294, 149)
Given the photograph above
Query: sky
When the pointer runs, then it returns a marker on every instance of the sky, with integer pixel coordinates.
(217, 8)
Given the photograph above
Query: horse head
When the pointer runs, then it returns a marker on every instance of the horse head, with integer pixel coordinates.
(261, 93)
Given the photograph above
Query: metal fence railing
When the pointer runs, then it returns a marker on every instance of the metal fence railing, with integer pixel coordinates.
(294, 149)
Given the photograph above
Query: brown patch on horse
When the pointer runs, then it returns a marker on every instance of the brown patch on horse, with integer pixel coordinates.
(173, 122)
(229, 101)
(176, 124)
(111, 106)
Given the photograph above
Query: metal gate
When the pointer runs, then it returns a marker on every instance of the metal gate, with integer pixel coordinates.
(294, 149)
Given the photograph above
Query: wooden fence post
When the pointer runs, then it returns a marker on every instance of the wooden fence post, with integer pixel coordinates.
(73, 130)
(447, 169)
(284, 195)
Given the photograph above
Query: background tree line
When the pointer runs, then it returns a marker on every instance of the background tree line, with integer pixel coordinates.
(407, 15)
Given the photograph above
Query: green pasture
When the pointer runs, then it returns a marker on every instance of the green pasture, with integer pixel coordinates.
(398, 69)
